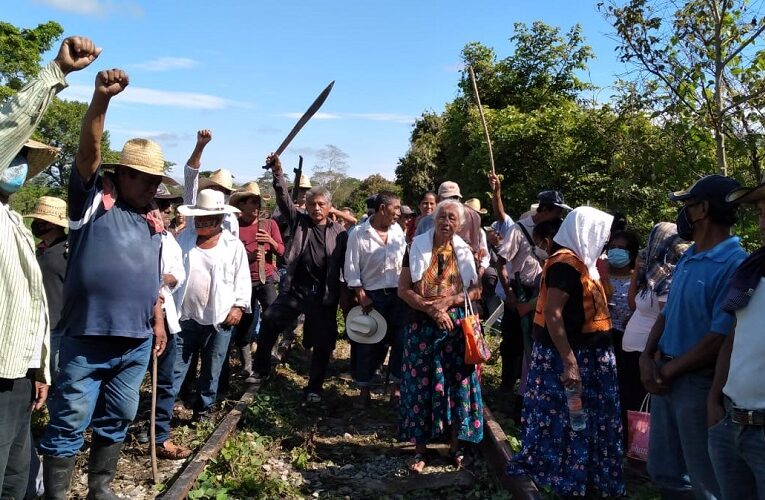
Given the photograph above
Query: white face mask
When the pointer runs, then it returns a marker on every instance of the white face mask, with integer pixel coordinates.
(541, 254)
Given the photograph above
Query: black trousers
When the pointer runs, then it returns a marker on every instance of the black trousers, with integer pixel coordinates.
(263, 295)
(319, 334)
(16, 397)
(515, 342)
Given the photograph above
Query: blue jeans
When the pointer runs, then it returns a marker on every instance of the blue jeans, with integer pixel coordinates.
(368, 357)
(165, 390)
(98, 383)
(738, 456)
(678, 460)
(214, 352)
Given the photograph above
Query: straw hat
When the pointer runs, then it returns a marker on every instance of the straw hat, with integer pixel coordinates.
(221, 178)
(475, 204)
(209, 202)
(367, 328)
(39, 156)
(250, 189)
(143, 155)
(304, 183)
(50, 209)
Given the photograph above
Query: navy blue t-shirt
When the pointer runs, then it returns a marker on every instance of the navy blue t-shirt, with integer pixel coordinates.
(113, 277)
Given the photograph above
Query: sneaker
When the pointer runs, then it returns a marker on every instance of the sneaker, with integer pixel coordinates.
(313, 397)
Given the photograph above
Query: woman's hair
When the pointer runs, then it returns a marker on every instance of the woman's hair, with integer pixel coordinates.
(446, 203)
(426, 193)
(547, 229)
(633, 244)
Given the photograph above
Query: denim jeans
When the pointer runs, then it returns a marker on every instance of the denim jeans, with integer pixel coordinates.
(738, 456)
(678, 457)
(165, 390)
(16, 396)
(214, 352)
(97, 386)
(368, 357)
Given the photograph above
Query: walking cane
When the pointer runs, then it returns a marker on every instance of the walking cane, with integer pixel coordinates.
(152, 429)
(483, 118)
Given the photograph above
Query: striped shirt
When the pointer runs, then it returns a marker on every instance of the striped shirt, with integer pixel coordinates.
(22, 113)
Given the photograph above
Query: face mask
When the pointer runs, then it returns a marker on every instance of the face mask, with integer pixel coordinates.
(541, 254)
(618, 257)
(14, 176)
(38, 228)
(685, 224)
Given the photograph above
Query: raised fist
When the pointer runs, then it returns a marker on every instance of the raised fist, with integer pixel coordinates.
(203, 137)
(273, 162)
(111, 82)
(76, 53)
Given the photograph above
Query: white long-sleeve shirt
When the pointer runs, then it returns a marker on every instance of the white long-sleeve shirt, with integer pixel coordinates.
(369, 263)
(172, 263)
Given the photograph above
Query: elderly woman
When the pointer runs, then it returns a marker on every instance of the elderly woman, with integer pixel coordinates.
(572, 349)
(439, 393)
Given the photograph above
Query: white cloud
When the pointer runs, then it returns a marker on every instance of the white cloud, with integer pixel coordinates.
(94, 7)
(154, 97)
(166, 64)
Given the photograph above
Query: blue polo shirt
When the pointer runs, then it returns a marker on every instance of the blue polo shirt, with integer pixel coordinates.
(694, 305)
(113, 277)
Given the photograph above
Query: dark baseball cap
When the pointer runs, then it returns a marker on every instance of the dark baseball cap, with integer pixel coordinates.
(714, 188)
(553, 198)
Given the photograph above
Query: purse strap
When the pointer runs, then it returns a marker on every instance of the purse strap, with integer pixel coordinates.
(646, 406)
(468, 304)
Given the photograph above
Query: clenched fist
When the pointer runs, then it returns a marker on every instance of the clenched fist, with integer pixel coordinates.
(274, 163)
(203, 137)
(111, 82)
(76, 53)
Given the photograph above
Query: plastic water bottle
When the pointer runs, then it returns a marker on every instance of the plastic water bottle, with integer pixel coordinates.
(576, 414)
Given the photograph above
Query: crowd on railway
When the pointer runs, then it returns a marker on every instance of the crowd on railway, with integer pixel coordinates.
(125, 273)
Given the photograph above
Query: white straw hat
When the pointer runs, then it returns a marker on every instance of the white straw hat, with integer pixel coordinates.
(367, 328)
(209, 202)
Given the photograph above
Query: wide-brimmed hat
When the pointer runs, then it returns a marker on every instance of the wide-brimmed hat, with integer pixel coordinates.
(715, 188)
(305, 182)
(475, 204)
(143, 155)
(209, 202)
(39, 156)
(449, 189)
(250, 189)
(163, 193)
(367, 328)
(221, 178)
(747, 195)
(50, 209)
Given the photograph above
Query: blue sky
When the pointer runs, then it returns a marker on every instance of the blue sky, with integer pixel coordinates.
(248, 69)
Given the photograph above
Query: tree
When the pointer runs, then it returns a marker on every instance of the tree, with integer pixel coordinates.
(417, 170)
(331, 166)
(21, 52)
(369, 186)
(706, 54)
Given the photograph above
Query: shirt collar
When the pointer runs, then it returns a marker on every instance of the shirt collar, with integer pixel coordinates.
(718, 253)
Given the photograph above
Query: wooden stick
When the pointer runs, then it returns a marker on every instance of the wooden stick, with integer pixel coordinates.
(483, 118)
(153, 428)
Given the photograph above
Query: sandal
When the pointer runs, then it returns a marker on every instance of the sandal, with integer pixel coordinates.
(461, 458)
(171, 451)
(418, 463)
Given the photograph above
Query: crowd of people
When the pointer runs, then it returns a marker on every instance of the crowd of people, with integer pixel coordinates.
(125, 273)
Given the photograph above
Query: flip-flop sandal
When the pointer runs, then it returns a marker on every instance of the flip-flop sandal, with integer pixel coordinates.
(418, 458)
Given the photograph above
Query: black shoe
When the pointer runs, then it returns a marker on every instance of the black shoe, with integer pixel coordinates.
(102, 465)
(57, 474)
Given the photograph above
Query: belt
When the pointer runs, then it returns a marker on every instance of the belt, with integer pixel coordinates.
(747, 417)
(385, 291)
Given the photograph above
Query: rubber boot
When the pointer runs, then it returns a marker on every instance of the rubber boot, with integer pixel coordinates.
(246, 355)
(102, 464)
(57, 474)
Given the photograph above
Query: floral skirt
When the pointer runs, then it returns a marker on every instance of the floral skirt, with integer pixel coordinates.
(553, 454)
(437, 388)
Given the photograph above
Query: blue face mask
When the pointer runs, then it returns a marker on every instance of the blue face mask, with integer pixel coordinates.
(14, 176)
(618, 257)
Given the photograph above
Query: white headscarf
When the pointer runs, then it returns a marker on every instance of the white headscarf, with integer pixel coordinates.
(585, 231)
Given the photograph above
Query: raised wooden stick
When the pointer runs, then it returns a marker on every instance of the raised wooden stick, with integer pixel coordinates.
(483, 118)
(153, 423)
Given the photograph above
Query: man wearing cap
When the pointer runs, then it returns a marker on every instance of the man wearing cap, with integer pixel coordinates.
(520, 256)
(677, 365)
(312, 283)
(24, 336)
(263, 242)
(48, 225)
(112, 312)
(220, 180)
(213, 298)
(736, 401)
(372, 265)
(407, 222)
